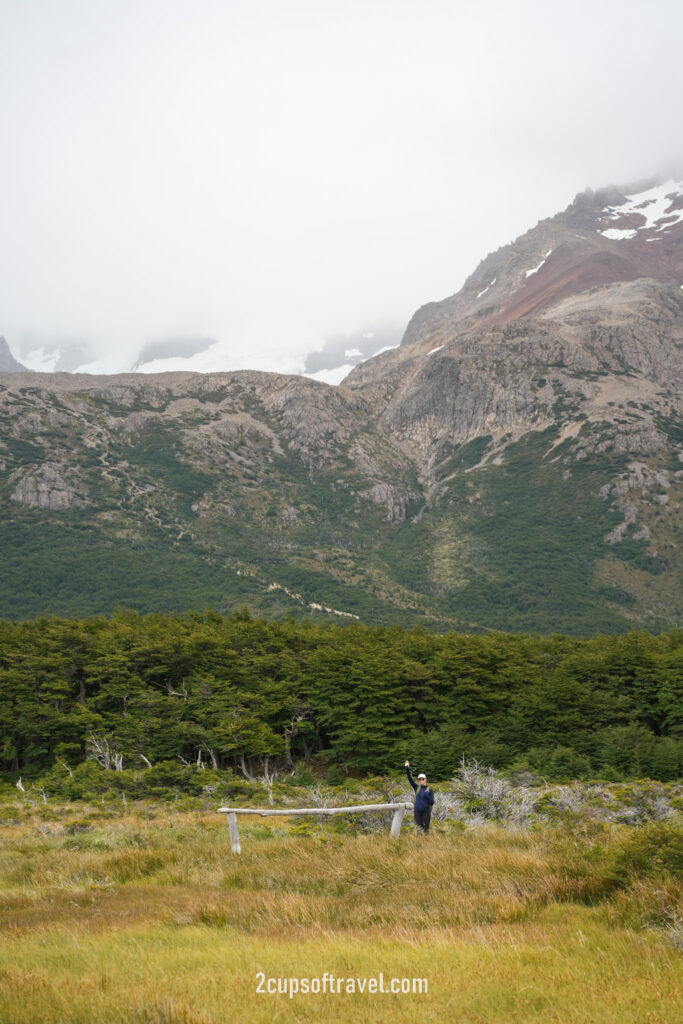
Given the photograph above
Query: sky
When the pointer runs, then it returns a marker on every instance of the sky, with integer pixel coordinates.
(274, 172)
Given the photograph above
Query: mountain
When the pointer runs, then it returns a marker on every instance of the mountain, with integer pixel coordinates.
(614, 234)
(514, 464)
(171, 348)
(65, 355)
(8, 364)
(341, 352)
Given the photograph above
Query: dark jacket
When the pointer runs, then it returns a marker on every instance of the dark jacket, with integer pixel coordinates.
(424, 795)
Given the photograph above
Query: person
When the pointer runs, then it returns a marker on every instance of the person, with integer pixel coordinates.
(424, 800)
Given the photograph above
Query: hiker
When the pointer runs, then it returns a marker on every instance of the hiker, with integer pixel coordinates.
(424, 799)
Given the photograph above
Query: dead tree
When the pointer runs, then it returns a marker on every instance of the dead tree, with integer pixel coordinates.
(99, 750)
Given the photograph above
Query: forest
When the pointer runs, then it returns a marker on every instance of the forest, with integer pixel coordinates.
(150, 697)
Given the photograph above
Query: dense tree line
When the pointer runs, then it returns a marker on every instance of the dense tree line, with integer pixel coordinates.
(248, 694)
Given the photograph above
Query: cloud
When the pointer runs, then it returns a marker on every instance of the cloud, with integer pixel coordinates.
(268, 174)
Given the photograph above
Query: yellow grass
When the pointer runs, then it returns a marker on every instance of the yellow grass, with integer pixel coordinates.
(151, 919)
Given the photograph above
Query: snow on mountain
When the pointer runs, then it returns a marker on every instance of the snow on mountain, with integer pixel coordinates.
(602, 237)
(654, 209)
(204, 355)
(337, 374)
(535, 270)
(41, 360)
(334, 377)
(222, 357)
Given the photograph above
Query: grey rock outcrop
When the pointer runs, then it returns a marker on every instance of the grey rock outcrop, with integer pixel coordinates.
(8, 364)
(45, 487)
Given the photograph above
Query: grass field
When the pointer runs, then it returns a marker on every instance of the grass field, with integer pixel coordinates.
(144, 915)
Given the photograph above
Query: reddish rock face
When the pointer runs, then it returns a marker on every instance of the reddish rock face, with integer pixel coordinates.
(603, 237)
(597, 261)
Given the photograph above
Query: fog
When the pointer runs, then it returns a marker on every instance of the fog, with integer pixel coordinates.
(273, 173)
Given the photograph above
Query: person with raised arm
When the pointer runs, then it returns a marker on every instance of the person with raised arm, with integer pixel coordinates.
(424, 800)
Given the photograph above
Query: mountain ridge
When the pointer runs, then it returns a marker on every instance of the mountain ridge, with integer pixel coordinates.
(546, 264)
(505, 467)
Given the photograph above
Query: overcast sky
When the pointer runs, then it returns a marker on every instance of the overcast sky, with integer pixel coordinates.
(270, 172)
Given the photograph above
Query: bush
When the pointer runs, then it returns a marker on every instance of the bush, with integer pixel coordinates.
(651, 850)
(87, 780)
(482, 790)
(642, 803)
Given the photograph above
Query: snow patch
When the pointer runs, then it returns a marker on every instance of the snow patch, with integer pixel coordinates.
(484, 291)
(536, 269)
(654, 205)
(617, 234)
(387, 348)
(351, 353)
(333, 377)
(437, 349)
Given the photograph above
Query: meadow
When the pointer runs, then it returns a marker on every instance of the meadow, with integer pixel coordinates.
(140, 913)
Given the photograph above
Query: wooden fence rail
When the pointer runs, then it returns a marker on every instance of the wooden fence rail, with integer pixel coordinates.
(232, 812)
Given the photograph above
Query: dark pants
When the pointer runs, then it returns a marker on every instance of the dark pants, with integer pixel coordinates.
(422, 819)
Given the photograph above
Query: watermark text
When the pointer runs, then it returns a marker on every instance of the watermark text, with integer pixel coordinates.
(330, 983)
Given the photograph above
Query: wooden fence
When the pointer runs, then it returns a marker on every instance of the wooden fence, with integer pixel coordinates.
(232, 812)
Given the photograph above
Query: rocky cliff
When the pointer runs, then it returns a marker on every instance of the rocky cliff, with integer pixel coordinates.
(514, 464)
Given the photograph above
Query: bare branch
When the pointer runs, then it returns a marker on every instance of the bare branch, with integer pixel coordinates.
(98, 750)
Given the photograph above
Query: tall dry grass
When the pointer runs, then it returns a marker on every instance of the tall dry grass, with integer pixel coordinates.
(149, 918)
(562, 967)
(320, 882)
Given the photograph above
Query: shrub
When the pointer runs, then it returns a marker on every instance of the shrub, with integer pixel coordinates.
(654, 849)
(482, 790)
(642, 803)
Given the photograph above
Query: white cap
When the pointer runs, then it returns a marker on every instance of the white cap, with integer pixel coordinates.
(422, 775)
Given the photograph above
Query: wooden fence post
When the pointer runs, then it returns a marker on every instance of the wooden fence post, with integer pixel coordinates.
(234, 833)
(396, 822)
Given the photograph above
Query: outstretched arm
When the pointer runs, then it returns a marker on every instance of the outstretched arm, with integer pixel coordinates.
(411, 780)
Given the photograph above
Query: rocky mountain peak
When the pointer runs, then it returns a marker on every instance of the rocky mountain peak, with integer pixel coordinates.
(612, 234)
(8, 364)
